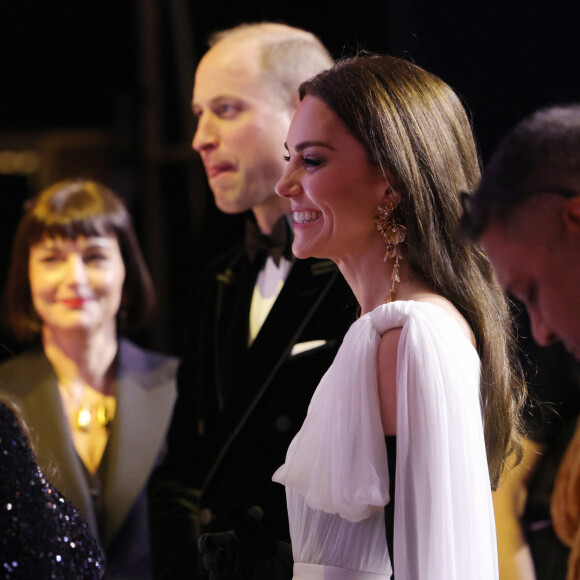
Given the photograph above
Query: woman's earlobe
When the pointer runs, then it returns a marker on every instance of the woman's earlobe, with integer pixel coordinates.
(392, 195)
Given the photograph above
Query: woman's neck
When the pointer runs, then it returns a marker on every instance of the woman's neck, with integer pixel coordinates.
(370, 280)
(83, 358)
(369, 277)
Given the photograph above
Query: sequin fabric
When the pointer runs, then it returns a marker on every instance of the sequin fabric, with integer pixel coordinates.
(41, 534)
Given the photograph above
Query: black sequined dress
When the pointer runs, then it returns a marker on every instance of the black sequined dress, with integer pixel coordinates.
(41, 534)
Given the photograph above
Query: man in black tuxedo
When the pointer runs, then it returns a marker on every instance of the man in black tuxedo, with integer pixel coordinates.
(267, 325)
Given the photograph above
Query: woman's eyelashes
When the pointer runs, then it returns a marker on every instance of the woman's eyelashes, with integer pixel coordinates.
(95, 257)
(312, 161)
(307, 160)
(48, 258)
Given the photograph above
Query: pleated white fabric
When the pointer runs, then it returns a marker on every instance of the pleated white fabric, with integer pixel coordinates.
(336, 473)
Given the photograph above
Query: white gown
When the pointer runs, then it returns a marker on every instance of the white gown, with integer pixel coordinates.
(336, 473)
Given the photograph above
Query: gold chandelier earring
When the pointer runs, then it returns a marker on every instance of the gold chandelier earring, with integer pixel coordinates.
(393, 234)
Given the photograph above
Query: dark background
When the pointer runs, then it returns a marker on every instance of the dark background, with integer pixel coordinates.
(101, 88)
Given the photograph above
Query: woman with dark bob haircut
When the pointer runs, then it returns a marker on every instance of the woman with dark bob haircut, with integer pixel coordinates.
(97, 405)
(67, 210)
(378, 153)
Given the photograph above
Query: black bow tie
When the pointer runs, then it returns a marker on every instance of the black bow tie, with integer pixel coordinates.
(278, 244)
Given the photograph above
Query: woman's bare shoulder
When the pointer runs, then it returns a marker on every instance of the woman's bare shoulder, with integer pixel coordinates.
(446, 305)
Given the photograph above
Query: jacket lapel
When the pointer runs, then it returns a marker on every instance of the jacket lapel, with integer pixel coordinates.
(299, 299)
(235, 286)
(51, 438)
(303, 292)
(145, 399)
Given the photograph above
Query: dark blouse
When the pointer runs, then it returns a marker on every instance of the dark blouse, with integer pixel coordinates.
(41, 534)
(391, 442)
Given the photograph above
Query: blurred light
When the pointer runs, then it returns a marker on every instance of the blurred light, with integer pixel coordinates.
(24, 162)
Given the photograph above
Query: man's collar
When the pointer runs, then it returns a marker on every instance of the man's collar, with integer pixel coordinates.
(277, 244)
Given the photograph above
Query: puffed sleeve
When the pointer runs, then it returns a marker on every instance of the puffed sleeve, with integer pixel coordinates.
(444, 525)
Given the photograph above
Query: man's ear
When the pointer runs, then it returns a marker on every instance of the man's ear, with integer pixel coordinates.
(572, 215)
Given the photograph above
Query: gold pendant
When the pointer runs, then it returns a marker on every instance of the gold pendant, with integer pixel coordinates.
(84, 419)
(103, 416)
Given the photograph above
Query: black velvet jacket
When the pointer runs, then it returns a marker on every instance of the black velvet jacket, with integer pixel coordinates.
(239, 408)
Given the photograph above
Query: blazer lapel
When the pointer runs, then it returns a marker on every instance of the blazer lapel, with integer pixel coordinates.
(300, 297)
(51, 437)
(235, 285)
(145, 398)
(303, 292)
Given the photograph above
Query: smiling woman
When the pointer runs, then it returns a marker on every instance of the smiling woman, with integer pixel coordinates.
(327, 167)
(77, 284)
(406, 434)
(93, 400)
(79, 223)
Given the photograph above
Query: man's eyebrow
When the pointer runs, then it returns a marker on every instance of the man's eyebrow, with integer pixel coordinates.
(235, 100)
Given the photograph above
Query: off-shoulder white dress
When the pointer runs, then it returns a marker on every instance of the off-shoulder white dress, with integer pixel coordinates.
(336, 474)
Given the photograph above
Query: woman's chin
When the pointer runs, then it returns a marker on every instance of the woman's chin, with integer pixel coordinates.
(302, 251)
(304, 254)
(79, 326)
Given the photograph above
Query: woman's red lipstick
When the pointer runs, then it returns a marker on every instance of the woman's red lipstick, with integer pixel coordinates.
(74, 302)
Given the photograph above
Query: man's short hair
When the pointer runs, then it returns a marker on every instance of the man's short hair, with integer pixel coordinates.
(532, 158)
(288, 55)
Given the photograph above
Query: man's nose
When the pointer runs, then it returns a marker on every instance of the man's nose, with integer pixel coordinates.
(206, 134)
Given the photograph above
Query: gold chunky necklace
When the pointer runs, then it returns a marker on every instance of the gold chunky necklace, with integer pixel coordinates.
(90, 415)
(89, 409)
(87, 417)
